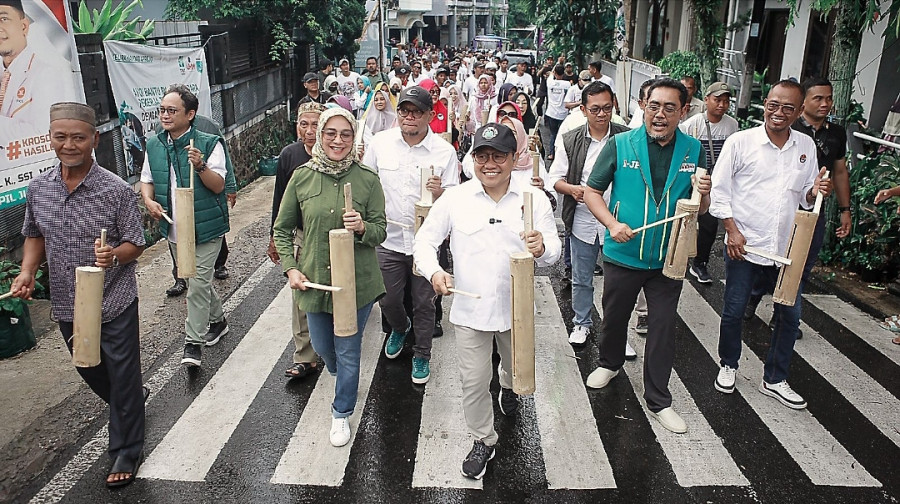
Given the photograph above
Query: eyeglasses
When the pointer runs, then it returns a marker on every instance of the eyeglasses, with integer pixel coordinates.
(596, 110)
(330, 134)
(435, 91)
(497, 157)
(168, 110)
(506, 113)
(668, 108)
(416, 113)
(772, 106)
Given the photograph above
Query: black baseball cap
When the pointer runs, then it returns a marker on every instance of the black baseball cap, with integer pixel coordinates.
(442, 70)
(495, 136)
(309, 76)
(403, 70)
(418, 96)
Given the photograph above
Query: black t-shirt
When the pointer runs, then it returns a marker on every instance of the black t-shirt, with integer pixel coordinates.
(291, 157)
(830, 140)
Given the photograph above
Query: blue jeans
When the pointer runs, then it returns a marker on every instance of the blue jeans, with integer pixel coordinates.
(584, 259)
(341, 355)
(739, 282)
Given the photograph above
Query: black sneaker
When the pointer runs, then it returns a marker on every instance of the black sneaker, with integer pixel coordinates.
(476, 461)
(216, 331)
(221, 273)
(438, 329)
(509, 401)
(598, 270)
(750, 310)
(178, 289)
(700, 272)
(641, 326)
(191, 355)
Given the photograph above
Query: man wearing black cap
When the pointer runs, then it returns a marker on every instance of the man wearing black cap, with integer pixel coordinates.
(65, 210)
(403, 75)
(313, 93)
(440, 76)
(398, 154)
(483, 218)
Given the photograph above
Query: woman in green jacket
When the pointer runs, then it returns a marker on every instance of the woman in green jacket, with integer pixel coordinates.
(313, 203)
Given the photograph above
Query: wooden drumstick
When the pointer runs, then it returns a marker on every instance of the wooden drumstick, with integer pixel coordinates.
(191, 183)
(660, 222)
(168, 219)
(322, 287)
(464, 293)
(399, 224)
(765, 255)
(5, 296)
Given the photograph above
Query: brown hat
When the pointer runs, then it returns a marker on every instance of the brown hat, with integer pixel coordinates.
(73, 110)
(718, 89)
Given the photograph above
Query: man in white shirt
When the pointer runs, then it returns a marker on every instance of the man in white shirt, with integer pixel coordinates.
(596, 70)
(762, 175)
(711, 128)
(573, 95)
(522, 80)
(576, 152)
(471, 83)
(346, 80)
(556, 109)
(415, 76)
(398, 154)
(697, 105)
(483, 218)
(502, 72)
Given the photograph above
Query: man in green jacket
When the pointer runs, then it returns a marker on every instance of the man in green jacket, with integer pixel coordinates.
(650, 169)
(173, 156)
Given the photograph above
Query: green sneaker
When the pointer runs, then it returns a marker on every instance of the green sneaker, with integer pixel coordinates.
(421, 370)
(394, 344)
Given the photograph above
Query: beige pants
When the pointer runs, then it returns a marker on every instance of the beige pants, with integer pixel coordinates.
(303, 350)
(474, 349)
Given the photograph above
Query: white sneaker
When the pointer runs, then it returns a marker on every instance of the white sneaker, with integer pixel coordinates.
(630, 354)
(579, 335)
(340, 431)
(600, 377)
(670, 420)
(725, 379)
(784, 393)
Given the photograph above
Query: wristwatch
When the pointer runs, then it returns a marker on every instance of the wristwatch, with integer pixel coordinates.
(201, 168)
(844, 209)
(115, 261)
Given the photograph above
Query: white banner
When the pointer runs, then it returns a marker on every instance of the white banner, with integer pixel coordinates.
(40, 68)
(139, 75)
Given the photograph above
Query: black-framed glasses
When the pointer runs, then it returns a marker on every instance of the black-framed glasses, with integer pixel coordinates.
(668, 108)
(507, 113)
(416, 113)
(497, 157)
(168, 110)
(596, 110)
(331, 133)
(773, 106)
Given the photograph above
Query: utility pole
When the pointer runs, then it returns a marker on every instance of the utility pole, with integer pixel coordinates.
(380, 6)
(750, 53)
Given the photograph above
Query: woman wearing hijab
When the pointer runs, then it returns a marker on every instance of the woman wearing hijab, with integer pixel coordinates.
(504, 94)
(506, 108)
(529, 120)
(439, 123)
(484, 96)
(339, 101)
(396, 86)
(363, 95)
(308, 205)
(381, 113)
(331, 84)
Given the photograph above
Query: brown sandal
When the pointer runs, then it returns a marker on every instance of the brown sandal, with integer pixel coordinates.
(896, 340)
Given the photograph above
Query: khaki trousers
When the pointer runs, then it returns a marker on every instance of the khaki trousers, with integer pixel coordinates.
(474, 350)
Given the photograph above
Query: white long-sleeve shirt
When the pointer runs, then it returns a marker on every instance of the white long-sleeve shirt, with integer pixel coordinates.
(761, 186)
(481, 249)
(399, 166)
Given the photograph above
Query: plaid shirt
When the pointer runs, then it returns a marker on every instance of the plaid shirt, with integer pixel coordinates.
(69, 224)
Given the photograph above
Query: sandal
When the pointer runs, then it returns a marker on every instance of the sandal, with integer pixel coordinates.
(123, 465)
(890, 325)
(896, 340)
(300, 370)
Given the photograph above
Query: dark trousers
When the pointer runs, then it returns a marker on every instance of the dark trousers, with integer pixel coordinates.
(553, 125)
(620, 291)
(220, 259)
(117, 380)
(706, 236)
(396, 269)
(444, 261)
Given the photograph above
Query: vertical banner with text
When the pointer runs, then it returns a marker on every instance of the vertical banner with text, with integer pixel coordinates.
(40, 68)
(139, 75)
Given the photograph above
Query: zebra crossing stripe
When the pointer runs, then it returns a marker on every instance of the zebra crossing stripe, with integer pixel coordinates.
(574, 456)
(191, 447)
(698, 456)
(821, 457)
(859, 323)
(865, 394)
(444, 439)
(309, 458)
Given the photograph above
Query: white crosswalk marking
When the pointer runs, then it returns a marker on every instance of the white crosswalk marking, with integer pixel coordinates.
(574, 456)
(190, 448)
(309, 458)
(814, 449)
(859, 323)
(698, 457)
(444, 439)
(877, 404)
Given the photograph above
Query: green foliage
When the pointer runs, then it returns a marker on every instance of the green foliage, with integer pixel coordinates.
(112, 22)
(274, 134)
(871, 248)
(9, 270)
(710, 37)
(578, 27)
(521, 14)
(679, 64)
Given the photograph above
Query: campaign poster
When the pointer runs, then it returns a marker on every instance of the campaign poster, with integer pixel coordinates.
(40, 68)
(139, 75)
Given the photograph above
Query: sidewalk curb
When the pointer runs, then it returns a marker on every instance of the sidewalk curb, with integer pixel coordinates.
(830, 288)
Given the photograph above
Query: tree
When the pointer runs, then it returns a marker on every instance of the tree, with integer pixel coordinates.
(333, 24)
(578, 27)
(113, 23)
(852, 18)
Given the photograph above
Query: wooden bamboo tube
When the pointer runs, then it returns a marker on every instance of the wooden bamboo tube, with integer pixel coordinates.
(528, 212)
(88, 313)
(484, 116)
(693, 205)
(535, 165)
(682, 240)
(422, 210)
(426, 197)
(343, 276)
(186, 247)
(521, 268)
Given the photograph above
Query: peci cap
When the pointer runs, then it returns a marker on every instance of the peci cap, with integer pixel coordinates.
(13, 3)
(495, 136)
(418, 96)
(309, 76)
(718, 89)
(71, 110)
